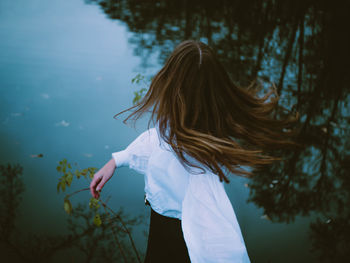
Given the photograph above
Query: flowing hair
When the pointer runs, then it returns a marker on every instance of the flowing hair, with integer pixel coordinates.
(203, 114)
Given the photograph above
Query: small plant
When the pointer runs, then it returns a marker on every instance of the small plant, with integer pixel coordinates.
(138, 80)
(65, 181)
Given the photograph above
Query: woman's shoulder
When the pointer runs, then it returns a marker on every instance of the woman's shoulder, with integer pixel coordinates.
(149, 135)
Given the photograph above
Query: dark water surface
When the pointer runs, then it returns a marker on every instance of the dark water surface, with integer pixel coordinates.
(66, 69)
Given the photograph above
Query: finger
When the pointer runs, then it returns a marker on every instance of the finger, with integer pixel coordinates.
(101, 184)
(95, 193)
(93, 185)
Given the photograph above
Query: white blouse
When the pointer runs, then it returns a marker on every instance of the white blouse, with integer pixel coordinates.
(209, 224)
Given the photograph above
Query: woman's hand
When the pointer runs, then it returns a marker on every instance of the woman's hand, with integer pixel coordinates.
(101, 177)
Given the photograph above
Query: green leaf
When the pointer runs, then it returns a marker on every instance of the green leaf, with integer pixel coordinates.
(92, 169)
(63, 185)
(67, 206)
(137, 98)
(69, 166)
(84, 172)
(91, 175)
(69, 178)
(58, 168)
(97, 220)
(137, 78)
(58, 187)
(94, 203)
(77, 173)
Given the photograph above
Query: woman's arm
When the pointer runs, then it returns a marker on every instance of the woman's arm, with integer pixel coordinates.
(134, 156)
(101, 177)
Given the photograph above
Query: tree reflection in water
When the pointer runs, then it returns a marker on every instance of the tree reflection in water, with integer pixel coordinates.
(301, 46)
(84, 242)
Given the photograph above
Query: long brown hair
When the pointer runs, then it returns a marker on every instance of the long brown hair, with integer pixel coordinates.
(203, 114)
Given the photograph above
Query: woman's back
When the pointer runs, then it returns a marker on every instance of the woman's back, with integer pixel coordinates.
(206, 127)
(208, 221)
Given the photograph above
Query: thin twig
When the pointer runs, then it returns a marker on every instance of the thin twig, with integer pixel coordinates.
(125, 229)
(115, 235)
(84, 189)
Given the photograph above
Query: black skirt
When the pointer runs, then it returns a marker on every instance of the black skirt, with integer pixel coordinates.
(165, 240)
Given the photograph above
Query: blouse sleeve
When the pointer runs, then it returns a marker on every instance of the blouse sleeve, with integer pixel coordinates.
(209, 224)
(137, 153)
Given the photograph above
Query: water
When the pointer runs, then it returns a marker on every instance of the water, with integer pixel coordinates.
(66, 69)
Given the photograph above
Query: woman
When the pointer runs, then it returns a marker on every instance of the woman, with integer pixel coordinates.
(205, 128)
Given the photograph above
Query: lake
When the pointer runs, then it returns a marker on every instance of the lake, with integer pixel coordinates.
(67, 69)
